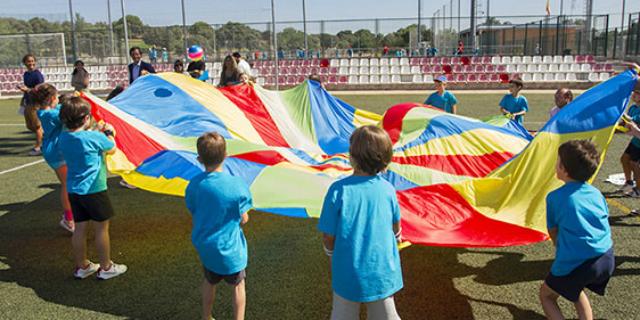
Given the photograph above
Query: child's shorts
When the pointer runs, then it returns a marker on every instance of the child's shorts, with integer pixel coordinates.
(232, 279)
(593, 274)
(633, 151)
(95, 206)
(383, 309)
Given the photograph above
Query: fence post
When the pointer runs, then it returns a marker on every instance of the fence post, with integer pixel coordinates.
(615, 42)
(540, 38)
(526, 32)
(606, 36)
(557, 35)
(579, 42)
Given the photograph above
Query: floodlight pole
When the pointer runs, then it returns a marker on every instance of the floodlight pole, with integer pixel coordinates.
(304, 27)
(110, 27)
(419, 23)
(184, 28)
(275, 41)
(126, 28)
(74, 39)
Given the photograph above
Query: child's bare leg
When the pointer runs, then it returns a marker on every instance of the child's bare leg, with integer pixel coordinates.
(39, 135)
(64, 196)
(549, 301)
(208, 296)
(583, 307)
(239, 301)
(79, 243)
(625, 160)
(103, 243)
(635, 168)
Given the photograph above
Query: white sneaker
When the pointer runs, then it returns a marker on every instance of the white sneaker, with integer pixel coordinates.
(627, 187)
(113, 271)
(67, 225)
(634, 193)
(87, 271)
(35, 152)
(127, 185)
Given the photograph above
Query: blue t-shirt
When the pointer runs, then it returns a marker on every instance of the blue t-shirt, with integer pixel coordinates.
(446, 101)
(580, 213)
(83, 152)
(634, 114)
(514, 105)
(52, 128)
(217, 202)
(359, 211)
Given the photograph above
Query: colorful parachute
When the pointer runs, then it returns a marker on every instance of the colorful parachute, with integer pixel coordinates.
(458, 181)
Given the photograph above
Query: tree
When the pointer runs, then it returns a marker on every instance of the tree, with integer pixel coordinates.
(135, 27)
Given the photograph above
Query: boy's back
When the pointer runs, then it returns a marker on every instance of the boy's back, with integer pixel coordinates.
(580, 213)
(217, 202)
(359, 212)
(83, 152)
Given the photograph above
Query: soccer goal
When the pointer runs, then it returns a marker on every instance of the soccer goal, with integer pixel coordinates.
(49, 48)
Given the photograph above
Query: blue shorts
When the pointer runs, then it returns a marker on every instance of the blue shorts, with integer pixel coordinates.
(593, 274)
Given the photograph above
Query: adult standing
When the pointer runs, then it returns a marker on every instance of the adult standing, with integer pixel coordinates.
(562, 97)
(31, 78)
(79, 76)
(243, 65)
(138, 67)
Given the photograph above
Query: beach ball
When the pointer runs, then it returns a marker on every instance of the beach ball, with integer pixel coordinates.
(195, 52)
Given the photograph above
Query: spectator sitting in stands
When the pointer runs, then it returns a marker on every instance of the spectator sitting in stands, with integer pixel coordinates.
(230, 74)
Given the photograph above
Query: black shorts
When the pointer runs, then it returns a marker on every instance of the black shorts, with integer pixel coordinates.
(95, 206)
(593, 274)
(633, 152)
(232, 279)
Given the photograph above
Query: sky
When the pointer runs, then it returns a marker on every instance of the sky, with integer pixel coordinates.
(168, 12)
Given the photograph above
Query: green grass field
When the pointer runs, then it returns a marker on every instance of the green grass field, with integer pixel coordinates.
(288, 275)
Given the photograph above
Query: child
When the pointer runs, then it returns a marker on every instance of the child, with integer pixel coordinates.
(83, 151)
(219, 204)
(513, 104)
(631, 154)
(45, 99)
(577, 220)
(31, 78)
(443, 99)
(360, 222)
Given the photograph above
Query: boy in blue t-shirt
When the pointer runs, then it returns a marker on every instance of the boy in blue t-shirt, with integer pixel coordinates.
(577, 220)
(219, 204)
(631, 157)
(83, 151)
(513, 104)
(442, 99)
(360, 222)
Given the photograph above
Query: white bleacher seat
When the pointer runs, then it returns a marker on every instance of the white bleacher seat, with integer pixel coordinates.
(354, 70)
(527, 60)
(549, 77)
(428, 78)
(396, 78)
(384, 70)
(593, 77)
(521, 68)
(353, 79)
(384, 61)
(557, 59)
(374, 79)
(553, 68)
(363, 70)
(364, 62)
(532, 68)
(354, 62)
(585, 67)
(544, 67)
(526, 77)
(404, 61)
(395, 70)
(568, 59)
(363, 79)
(344, 62)
(217, 65)
(571, 77)
(385, 78)
(394, 62)
(506, 60)
(417, 78)
(416, 70)
(604, 76)
(547, 59)
(565, 67)
(511, 68)
(516, 59)
(575, 67)
(334, 63)
(343, 70)
(374, 70)
(374, 62)
(537, 59)
(102, 69)
(405, 70)
(537, 77)
(561, 77)
(496, 60)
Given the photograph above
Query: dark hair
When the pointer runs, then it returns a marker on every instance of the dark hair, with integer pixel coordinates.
(517, 82)
(178, 62)
(569, 94)
(77, 64)
(234, 75)
(27, 56)
(370, 149)
(73, 112)
(236, 54)
(212, 148)
(65, 97)
(134, 49)
(115, 92)
(580, 159)
(315, 77)
(42, 94)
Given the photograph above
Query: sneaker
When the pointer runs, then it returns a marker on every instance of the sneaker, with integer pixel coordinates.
(634, 212)
(126, 185)
(90, 269)
(634, 193)
(67, 225)
(114, 271)
(627, 187)
(35, 152)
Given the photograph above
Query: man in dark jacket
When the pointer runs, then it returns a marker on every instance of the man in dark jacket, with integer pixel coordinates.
(138, 67)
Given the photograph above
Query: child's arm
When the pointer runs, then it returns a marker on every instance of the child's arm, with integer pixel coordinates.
(553, 234)
(328, 242)
(109, 132)
(396, 231)
(244, 218)
(454, 109)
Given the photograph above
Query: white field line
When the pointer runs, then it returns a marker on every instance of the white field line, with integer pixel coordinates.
(21, 167)
(11, 124)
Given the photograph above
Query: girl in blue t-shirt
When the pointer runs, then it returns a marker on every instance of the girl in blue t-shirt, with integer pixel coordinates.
(360, 222)
(45, 100)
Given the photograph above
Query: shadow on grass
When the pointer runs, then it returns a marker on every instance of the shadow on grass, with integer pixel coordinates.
(288, 274)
